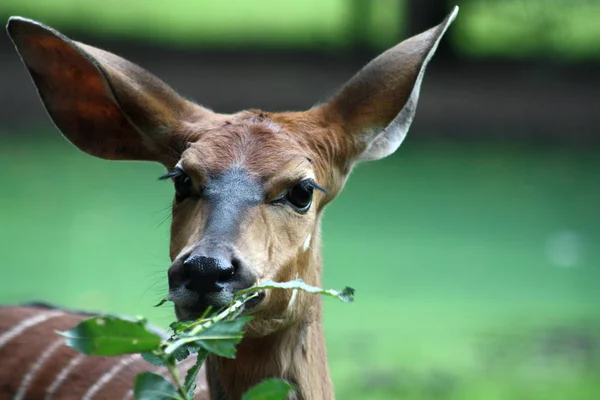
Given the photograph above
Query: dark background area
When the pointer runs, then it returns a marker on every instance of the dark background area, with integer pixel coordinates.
(527, 93)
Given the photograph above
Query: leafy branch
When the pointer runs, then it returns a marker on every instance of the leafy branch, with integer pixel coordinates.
(214, 332)
(346, 295)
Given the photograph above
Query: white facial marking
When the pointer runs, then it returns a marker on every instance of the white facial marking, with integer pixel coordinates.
(293, 298)
(307, 242)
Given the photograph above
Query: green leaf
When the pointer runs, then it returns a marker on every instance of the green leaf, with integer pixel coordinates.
(179, 326)
(161, 302)
(190, 377)
(346, 295)
(192, 348)
(269, 389)
(153, 359)
(149, 386)
(219, 338)
(181, 353)
(111, 336)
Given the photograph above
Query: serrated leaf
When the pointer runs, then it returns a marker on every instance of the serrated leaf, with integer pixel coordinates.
(192, 374)
(346, 295)
(149, 386)
(219, 338)
(111, 336)
(181, 353)
(269, 389)
(153, 359)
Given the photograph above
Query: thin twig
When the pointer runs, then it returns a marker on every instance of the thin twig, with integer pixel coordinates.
(172, 367)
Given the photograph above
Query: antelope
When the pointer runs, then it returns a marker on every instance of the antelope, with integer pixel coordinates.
(250, 187)
(36, 363)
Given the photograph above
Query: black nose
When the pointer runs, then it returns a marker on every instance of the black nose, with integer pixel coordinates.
(206, 274)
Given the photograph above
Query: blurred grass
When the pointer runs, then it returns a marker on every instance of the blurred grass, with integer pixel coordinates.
(523, 29)
(465, 257)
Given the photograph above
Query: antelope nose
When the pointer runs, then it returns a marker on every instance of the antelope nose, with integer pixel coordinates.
(206, 273)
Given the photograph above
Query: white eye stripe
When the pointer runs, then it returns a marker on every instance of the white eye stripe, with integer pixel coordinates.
(310, 175)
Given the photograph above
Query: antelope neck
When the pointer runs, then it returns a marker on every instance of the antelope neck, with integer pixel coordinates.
(296, 354)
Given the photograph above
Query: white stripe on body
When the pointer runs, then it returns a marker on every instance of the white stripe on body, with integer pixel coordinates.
(26, 324)
(28, 377)
(104, 379)
(128, 395)
(62, 375)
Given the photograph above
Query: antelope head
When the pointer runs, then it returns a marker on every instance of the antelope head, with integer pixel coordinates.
(250, 187)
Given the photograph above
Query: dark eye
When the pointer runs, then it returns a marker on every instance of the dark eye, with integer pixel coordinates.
(183, 187)
(183, 184)
(300, 195)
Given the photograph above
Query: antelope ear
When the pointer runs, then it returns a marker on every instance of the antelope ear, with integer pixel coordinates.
(378, 104)
(106, 106)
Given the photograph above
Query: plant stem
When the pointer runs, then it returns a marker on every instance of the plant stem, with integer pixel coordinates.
(172, 367)
(224, 314)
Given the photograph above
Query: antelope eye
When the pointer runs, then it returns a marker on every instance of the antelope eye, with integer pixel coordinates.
(183, 186)
(300, 196)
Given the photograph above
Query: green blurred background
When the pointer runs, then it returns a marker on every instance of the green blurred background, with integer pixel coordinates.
(474, 250)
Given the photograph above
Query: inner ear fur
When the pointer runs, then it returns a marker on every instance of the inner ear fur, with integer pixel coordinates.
(105, 105)
(376, 107)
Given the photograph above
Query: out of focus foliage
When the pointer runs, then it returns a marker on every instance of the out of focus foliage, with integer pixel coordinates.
(499, 28)
(530, 28)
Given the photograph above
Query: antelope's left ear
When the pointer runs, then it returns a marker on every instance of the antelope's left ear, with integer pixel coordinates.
(377, 106)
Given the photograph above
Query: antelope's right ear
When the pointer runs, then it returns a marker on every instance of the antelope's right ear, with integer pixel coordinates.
(106, 106)
(376, 107)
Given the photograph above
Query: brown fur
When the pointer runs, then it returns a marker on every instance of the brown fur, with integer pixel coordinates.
(124, 112)
(20, 354)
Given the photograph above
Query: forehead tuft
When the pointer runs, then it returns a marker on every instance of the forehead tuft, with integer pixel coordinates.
(250, 139)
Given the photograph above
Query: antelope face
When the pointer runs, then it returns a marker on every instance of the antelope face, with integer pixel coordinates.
(250, 187)
(248, 195)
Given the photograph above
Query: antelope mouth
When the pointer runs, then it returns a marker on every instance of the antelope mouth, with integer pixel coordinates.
(254, 302)
(190, 305)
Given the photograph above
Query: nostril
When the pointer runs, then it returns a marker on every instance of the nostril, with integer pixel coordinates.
(227, 273)
(231, 270)
(237, 265)
(177, 276)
